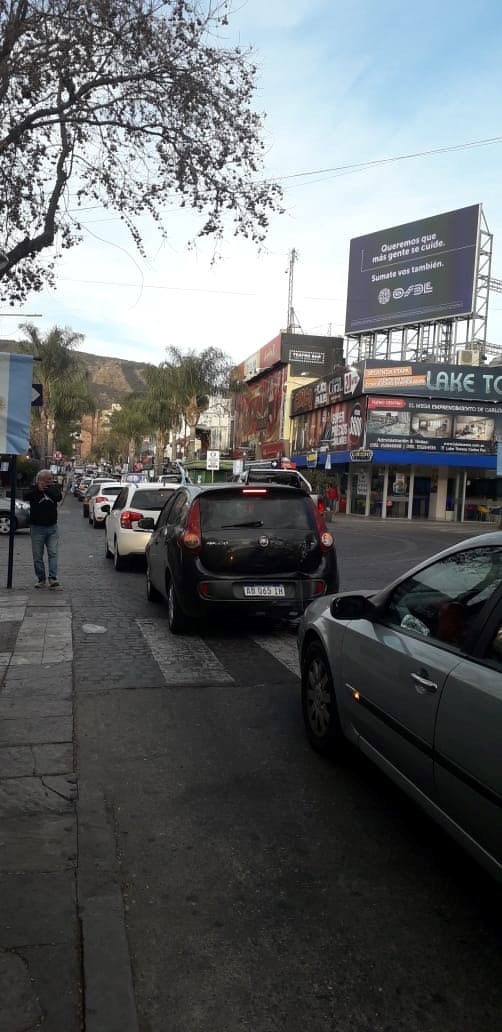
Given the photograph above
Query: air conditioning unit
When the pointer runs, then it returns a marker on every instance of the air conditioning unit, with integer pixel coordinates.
(469, 356)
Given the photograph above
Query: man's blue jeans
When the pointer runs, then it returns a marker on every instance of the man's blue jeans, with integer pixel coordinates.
(45, 537)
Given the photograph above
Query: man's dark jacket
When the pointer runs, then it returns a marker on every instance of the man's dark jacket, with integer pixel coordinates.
(43, 505)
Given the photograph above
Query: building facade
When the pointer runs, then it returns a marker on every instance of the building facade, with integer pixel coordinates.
(412, 440)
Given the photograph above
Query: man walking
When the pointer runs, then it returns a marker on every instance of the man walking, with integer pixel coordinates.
(43, 499)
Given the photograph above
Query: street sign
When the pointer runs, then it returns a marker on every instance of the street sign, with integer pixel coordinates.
(37, 396)
(212, 460)
(58, 455)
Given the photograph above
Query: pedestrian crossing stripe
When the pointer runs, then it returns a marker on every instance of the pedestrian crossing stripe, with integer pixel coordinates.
(182, 660)
(283, 648)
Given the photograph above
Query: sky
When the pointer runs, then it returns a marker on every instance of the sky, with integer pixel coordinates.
(341, 84)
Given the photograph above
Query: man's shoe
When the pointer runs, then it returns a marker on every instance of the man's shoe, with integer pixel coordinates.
(53, 582)
(40, 584)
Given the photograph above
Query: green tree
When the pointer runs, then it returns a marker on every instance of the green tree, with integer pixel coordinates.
(196, 376)
(66, 393)
(131, 106)
(130, 423)
(162, 408)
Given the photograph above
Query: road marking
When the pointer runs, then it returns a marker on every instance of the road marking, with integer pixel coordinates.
(281, 647)
(182, 659)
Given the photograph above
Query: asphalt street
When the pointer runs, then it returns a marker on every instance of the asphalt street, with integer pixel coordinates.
(263, 887)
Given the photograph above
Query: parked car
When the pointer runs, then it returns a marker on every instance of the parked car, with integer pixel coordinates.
(22, 515)
(412, 675)
(122, 539)
(81, 488)
(93, 489)
(274, 475)
(238, 547)
(101, 500)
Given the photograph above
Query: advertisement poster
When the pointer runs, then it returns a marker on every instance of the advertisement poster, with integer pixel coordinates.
(429, 379)
(306, 354)
(423, 425)
(344, 383)
(413, 273)
(258, 411)
(338, 427)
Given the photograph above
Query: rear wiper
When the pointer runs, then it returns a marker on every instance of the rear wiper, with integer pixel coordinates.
(249, 523)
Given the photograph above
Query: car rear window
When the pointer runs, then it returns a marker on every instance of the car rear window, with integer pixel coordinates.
(111, 489)
(293, 512)
(151, 499)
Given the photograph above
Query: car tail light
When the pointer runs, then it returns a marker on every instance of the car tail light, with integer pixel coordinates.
(100, 498)
(191, 537)
(129, 516)
(326, 539)
(255, 490)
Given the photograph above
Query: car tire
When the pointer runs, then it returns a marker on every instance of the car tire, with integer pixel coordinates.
(175, 616)
(151, 593)
(118, 562)
(108, 554)
(5, 524)
(320, 711)
(85, 512)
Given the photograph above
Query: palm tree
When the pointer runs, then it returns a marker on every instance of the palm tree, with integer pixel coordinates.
(130, 422)
(196, 376)
(162, 408)
(65, 390)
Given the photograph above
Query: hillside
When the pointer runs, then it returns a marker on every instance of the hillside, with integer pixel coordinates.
(109, 378)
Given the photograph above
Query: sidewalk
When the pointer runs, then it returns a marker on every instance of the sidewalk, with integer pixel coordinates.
(64, 961)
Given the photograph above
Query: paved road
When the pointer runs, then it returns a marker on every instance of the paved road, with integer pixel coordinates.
(265, 889)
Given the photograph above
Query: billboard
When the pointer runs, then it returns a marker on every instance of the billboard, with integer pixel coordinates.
(307, 354)
(433, 380)
(413, 273)
(345, 382)
(429, 425)
(258, 411)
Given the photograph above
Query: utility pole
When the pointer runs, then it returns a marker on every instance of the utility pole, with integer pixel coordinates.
(292, 324)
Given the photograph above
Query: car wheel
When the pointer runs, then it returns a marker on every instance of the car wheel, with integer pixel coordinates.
(118, 562)
(5, 524)
(175, 616)
(151, 593)
(320, 713)
(85, 511)
(108, 554)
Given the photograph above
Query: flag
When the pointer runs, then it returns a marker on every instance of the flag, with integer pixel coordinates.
(16, 374)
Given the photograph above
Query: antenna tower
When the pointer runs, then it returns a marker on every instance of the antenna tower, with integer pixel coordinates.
(292, 324)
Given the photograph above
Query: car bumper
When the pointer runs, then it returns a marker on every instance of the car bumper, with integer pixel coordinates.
(132, 542)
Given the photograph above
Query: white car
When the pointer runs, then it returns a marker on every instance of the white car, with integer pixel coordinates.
(122, 540)
(105, 496)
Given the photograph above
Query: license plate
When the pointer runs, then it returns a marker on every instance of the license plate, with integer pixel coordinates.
(264, 590)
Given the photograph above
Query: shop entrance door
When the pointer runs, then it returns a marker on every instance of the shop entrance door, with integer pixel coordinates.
(421, 498)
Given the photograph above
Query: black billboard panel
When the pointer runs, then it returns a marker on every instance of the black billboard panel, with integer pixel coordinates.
(414, 273)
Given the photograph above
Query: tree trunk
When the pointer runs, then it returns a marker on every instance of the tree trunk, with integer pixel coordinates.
(132, 452)
(160, 447)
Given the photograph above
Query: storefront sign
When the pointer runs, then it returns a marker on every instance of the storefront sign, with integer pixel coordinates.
(333, 428)
(424, 425)
(361, 455)
(312, 460)
(343, 384)
(433, 380)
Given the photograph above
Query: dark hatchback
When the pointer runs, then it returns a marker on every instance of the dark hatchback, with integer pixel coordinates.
(237, 547)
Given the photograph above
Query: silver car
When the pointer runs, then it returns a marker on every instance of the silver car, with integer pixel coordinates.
(22, 515)
(412, 675)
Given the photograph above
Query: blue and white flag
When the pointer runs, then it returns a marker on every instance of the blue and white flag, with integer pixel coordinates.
(16, 374)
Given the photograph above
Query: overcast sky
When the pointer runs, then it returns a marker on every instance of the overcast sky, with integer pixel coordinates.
(341, 84)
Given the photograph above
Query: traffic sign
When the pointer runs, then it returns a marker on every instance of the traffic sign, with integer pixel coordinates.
(58, 455)
(212, 460)
(37, 395)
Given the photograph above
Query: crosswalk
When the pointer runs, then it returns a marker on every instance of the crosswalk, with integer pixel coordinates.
(190, 660)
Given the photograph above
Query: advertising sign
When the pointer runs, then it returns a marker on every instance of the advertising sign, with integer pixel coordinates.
(424, 425)
(212, 460)
(431, 379)
(345, 382)
(15, 403)
(413, 273)
(338, 427)
(307, 354)
(258, 411)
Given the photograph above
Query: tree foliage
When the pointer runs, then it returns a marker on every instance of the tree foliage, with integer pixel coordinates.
(127, 104)
(195, 376)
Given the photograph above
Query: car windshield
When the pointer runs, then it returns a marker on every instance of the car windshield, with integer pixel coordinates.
(274, 513)
(150, 499)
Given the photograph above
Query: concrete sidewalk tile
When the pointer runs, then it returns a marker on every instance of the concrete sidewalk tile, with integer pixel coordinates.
(25, 797)
(34, 706)
(53, 759)
(37, 908)
(20, 1007)
(14, 614)
(42, 844)
(16, 761)
(34, 676)
(55, 975)
(30, 731)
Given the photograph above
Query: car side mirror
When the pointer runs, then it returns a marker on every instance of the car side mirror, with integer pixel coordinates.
(352, 607)
(105, 508)
(145, 523)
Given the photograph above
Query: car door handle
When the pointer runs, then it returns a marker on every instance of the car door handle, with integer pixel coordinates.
(423, 685)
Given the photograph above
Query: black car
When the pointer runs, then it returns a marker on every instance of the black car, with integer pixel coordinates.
(238, 547)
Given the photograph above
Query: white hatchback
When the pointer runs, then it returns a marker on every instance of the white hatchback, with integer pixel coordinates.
(104, 497)
(122, 539)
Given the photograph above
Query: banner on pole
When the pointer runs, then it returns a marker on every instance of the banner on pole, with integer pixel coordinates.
(15, 403)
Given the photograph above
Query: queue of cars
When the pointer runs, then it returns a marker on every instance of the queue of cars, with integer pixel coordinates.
(411, 675)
